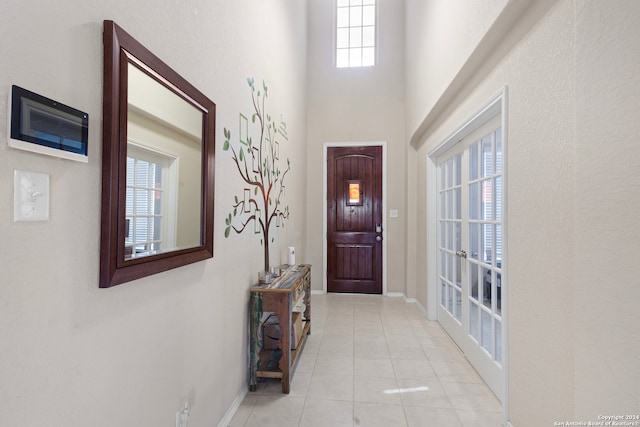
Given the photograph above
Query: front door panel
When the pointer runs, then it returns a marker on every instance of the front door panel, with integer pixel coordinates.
(354, 219)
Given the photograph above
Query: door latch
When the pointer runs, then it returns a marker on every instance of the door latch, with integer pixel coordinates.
(461, 254)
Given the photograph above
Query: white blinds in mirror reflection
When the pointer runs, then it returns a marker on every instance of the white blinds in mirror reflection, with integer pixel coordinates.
(143, 207)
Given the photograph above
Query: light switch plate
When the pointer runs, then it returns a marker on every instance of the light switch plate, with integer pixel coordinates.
(393, 213)
(30, 196)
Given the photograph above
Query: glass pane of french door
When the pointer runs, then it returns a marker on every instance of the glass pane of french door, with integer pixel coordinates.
(450, 223)
(485, 243)
(470, 256)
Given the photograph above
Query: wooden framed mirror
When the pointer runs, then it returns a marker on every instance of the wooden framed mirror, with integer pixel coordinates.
(157, 165)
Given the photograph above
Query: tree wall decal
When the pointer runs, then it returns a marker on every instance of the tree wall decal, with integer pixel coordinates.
(259, 166)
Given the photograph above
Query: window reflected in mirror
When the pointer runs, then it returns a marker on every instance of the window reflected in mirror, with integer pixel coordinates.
(146, 209)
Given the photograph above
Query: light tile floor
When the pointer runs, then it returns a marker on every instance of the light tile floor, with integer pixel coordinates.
(374, 361)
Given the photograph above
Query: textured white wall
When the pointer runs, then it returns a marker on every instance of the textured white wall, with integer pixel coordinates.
(607, 202)
(572, 167)
(440, 37)
(76, 355)
(357, 105)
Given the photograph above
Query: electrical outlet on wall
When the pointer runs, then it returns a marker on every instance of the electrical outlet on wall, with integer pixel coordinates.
(182, 416)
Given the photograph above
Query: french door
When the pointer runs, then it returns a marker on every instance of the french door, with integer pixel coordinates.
(470, 255)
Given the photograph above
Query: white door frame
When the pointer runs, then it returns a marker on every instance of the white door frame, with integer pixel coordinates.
(497, 104)
(382, 144)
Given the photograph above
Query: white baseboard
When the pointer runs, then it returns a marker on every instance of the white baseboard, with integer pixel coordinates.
(411, 301)
(422, 309)
(395, 294)
(228, 416)
(317, 292)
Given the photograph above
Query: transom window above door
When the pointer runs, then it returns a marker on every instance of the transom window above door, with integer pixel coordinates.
(355, 33)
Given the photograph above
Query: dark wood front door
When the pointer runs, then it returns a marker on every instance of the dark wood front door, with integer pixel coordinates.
(354, 219)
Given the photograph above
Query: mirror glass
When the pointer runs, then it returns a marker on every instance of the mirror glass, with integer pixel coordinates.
(164, 168)
(158, 165)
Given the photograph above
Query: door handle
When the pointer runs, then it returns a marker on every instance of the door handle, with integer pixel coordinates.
(378, 238)
(461, 254)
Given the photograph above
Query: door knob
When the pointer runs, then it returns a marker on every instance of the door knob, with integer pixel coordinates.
(378, 238)
(461, 254)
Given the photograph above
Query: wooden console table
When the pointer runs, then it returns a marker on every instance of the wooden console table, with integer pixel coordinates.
(278, 297)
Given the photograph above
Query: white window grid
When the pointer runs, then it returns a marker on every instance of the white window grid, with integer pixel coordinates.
(143, 207)
(485, 317)
(356, 33)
